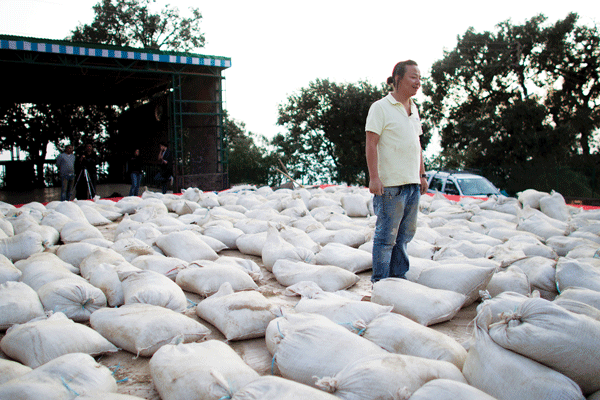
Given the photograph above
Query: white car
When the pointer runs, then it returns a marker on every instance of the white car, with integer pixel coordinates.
(460, 184)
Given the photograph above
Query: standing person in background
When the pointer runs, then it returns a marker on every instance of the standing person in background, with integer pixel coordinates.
(86, 173)
(166, 166)
(396, 171)
(65, 162)
(135, 168)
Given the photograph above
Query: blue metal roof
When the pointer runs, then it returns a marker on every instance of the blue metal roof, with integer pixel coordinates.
(94, 50)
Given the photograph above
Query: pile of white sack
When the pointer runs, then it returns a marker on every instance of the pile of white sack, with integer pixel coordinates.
(180, 280)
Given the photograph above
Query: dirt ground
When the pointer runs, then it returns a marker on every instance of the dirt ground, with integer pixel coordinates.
(133, 373)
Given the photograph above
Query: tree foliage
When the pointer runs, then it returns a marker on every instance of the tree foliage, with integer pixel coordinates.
(132, 23)
(325, 139)
(249, 163)
(524, 94)
(31, 127)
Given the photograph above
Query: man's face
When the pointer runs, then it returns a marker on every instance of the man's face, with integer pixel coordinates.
(88, 148)
(69, 149)
(411, 81)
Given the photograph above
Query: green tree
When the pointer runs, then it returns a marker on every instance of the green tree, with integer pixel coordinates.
(31, 127)
(132, 23)
(522, 96)
(325, 139)
(120, 22)
(249, 162)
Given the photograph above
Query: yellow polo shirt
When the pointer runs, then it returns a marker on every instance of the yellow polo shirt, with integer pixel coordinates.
(399, 147)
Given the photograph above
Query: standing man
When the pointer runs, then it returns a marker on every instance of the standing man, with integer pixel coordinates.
(166, 166)
(135, 167)
(396, 171)
(66, 170)
(86, 173)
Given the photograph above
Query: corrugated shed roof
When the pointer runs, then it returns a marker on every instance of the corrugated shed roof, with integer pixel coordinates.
(42, 45)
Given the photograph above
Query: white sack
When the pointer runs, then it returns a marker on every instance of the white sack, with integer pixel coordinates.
(578, 307)
(37, 274)
(218, 371)
(206, 277)
(555, 206)
(564, 244)
(387, 376)
(421, 249)
(466, 248)
(277, 388)
(55, 219)
(511, 279)
(461, 278)
(149, 287)
(245, 264)
(328, 277)
(76, 231)
(344, 256)
(106, 278)
(583, 251)
(61, 379)
(168, 266)
(355, 205)
(103, 256)
(531, 197)
(350, 314)
(186, 245)
(237, 315)
(299, 238)
(93, 216)
(46, 259)
(19, 304)
(6, 227)
(8, 272)
(11, 369)
(131, 248)
(399, 334)
(506, 375)
(75, 298)
(446, 389)
(21, 246)
(541, 272)
(227, 236)
(251, 244)
(555, 337)
(530, 246)
(420, 303)
(39, 341)
(108, 396)
(584, 295)
(276, 248)
(142, 329)
(348, 237)
(147, 233)
(581, 272)
(74, 253)
(505, 302)
(312, 346)
(71, 210)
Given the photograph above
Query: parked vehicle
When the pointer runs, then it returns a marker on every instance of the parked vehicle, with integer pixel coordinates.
(460, 183)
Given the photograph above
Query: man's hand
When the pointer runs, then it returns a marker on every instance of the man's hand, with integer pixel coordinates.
(376, 187)
(424, 185)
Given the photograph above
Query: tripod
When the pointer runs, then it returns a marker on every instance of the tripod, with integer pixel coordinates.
(91, 190)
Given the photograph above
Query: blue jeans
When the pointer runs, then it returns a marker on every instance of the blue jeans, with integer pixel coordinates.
(66, 186)
(136, 180)
(396, 225)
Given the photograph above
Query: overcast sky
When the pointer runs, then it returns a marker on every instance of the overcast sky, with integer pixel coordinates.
(279, 46)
